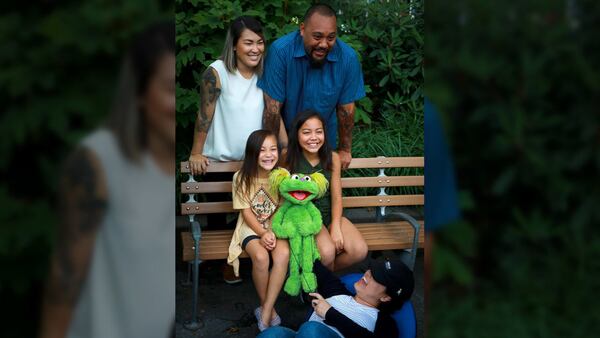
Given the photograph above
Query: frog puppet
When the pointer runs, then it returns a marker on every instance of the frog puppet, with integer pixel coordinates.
(299, 220)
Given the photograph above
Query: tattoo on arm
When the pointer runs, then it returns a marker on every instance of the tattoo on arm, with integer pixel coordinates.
(345, 115)
(271, 114)
(209, 94)
(83, 202)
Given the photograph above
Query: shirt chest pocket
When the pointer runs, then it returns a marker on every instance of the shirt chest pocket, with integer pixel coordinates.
(331, 83)
(327, 98)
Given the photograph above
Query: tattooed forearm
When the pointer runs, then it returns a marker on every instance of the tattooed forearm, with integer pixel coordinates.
(345, 115)
(83, 203)
(208, 99)
(271, 114)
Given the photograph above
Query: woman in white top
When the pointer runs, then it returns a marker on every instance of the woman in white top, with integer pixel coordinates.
(231, 105)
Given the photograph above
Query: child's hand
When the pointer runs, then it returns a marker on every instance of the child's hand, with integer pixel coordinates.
(338, 238)
(268, 240)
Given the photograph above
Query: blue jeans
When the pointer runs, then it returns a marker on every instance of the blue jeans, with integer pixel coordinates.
(307, 330)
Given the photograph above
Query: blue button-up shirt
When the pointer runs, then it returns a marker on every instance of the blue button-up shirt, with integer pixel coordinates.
(289, 78)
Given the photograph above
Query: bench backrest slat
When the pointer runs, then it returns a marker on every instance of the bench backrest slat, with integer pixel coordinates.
(195, 208)
(347, 182)
(382, 201)
(206, 208)
(216, 167)
(205, 187)
(347, 202)
(357, 163)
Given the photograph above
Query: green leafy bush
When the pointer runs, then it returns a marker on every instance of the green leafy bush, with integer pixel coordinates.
(392, 59)
(517, 84)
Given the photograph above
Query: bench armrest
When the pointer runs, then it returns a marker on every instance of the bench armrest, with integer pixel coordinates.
(196, 234)
(417, 227)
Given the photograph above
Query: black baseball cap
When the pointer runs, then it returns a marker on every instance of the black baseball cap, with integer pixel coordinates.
(396, 277)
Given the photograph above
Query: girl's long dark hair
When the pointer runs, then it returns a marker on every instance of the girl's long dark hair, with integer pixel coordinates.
(295, 151)
(249, 171)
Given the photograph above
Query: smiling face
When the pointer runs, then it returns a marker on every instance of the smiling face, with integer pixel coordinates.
(319, 33)
(368, 289)
(311, 136)
(268, 156)
(249, 50)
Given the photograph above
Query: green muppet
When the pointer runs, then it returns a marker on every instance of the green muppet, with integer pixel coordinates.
(298, 220)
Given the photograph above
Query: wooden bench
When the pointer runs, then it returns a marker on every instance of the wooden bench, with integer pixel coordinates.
(381, 235)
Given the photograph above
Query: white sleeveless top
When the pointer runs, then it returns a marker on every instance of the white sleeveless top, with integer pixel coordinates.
(130, 288)
(238, 113)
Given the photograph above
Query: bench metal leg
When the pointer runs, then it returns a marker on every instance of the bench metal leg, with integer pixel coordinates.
(195, 323)
(188, 279)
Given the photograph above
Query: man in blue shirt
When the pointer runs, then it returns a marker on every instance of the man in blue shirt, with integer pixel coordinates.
(312, 69)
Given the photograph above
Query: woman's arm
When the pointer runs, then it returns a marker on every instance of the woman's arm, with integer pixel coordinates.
(82, 206)
(209, 93)
(335, 187)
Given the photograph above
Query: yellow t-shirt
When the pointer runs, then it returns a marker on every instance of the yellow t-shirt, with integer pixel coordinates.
(262, 204)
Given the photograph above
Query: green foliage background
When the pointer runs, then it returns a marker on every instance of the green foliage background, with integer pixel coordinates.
(388, 36)
(518, 85)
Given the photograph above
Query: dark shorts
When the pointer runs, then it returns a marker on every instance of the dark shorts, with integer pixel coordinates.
(248, 239)
(326, 219)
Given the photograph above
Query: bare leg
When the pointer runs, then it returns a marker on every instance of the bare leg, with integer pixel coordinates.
(260, 267)
(281, 257)
(326, 248)
(355, 247)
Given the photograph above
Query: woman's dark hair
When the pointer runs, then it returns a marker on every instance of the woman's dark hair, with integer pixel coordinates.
(127, 118)
(249, 171)
(295, 151)
(233, 35)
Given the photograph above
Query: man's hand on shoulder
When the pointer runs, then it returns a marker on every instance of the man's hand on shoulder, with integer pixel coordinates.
(345, 158)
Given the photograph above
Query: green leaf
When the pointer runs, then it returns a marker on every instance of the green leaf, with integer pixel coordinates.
(384, 80)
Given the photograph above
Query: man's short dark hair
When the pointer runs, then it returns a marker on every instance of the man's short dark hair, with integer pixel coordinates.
(323, 9)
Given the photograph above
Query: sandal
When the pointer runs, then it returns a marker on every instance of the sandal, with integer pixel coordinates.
(274, 322)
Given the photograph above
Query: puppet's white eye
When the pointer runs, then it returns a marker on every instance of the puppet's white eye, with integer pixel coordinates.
(306, 178)
(295, 177)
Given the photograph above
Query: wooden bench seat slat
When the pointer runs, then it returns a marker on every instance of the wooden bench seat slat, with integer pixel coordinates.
(379, 236)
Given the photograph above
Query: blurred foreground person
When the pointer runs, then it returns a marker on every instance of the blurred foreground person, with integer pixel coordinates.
(111, 274)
